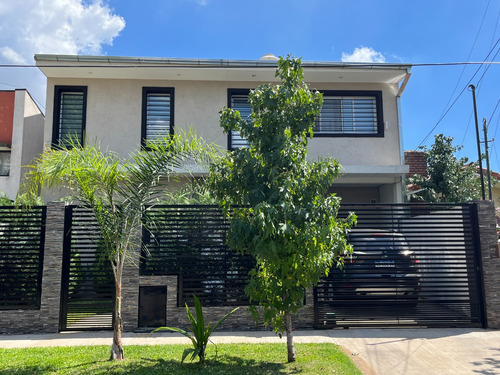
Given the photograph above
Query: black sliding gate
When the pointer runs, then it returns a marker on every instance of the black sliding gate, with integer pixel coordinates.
(413, 265)
(87, 287)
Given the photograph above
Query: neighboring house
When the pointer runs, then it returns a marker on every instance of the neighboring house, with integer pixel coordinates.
(418, 165)
(495, 185)
(495, 189)
(21, 137)
(121, 101)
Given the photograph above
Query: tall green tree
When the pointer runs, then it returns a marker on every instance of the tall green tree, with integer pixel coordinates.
(282, 213)
(449, 179)
(118, 193)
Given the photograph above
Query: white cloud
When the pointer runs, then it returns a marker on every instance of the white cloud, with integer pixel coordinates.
(12, 56)
(51, 26)
(363, 54)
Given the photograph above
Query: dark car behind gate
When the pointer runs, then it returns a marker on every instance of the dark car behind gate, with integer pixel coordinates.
(412, 265)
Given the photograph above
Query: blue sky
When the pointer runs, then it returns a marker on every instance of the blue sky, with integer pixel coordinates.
(397, 31)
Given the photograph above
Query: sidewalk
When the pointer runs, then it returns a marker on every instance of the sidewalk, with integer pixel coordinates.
(387, 351)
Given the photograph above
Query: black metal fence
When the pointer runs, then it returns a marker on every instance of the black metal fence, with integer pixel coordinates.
(190, 242)
(22, 237)
(413, 265)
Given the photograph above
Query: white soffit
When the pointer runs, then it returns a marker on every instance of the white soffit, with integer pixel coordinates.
(102, 67)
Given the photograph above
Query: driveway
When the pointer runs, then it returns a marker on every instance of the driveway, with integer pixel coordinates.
(435, 351)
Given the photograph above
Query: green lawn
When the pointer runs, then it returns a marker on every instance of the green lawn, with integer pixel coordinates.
(260, 359)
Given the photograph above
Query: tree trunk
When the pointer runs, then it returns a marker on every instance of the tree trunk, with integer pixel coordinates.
(117, 348)
(289, 337)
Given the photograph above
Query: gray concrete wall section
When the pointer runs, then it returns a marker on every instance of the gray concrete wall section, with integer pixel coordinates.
(46, 319)
(491, 261)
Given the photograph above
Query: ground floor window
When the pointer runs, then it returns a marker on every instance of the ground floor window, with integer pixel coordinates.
(4, 163)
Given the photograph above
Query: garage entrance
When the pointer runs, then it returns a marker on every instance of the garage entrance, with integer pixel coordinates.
(413, 265)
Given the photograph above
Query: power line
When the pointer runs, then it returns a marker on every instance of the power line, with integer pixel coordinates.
(460, 94)
(495, 30)
(467, 128)
(358, 65)
(498, 120)
(468, 56)
(485, 70)
(7, 84)
(496, 106)
(496, 128)
(496, 154)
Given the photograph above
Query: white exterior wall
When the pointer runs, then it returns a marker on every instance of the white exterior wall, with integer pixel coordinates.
(114, 117)
(27, 141)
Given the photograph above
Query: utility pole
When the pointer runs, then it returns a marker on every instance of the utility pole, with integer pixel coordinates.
(473, 88)
(488, 174)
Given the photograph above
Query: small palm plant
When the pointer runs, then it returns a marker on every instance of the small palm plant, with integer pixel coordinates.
(200, 335)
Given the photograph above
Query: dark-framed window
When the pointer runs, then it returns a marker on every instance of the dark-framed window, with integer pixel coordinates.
(4, 163)
(350, 114)
(238, 99)
(70, 107)
(157, 113)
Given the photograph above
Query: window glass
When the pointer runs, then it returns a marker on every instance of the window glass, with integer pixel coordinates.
(69, 115)
(4, 163)
(349, 115)
(240, 103)
(157, 113)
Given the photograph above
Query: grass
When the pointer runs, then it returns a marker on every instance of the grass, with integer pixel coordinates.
(241, 359)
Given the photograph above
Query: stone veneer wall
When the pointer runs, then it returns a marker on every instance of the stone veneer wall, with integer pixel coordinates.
(176, 315)
(490, 261)
(46, 319)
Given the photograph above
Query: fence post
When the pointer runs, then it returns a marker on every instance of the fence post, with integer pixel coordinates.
(488, 239)
(52, 268)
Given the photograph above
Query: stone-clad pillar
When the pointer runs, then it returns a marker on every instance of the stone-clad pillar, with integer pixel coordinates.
(490, 261)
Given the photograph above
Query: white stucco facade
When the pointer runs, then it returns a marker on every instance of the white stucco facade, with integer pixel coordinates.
(114, 102)
(27, 141)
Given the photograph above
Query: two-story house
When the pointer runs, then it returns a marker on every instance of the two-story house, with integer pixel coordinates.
(121, 101)
(21, 137)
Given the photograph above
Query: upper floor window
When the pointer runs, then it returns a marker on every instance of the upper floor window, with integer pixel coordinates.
(343, 114)
(238, 100)
(70, 104)
(350, 113)
(157, 113)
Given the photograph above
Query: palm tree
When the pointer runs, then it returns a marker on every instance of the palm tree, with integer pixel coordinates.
(118, 193)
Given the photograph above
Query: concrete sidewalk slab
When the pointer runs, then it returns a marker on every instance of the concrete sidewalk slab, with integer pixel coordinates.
(387, 351)
(425, 351)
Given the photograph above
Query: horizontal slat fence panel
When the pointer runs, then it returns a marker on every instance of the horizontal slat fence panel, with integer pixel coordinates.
(22, 237)
(439, 288)
(87, 282)
(190, 241)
